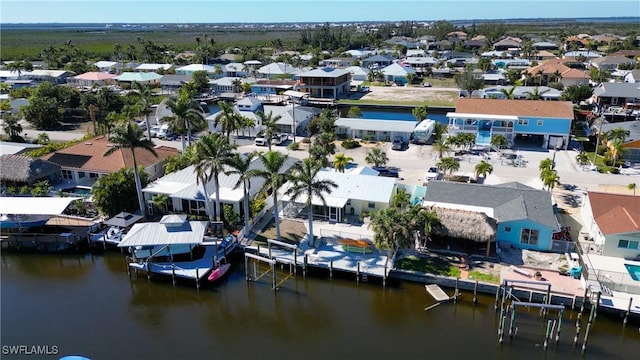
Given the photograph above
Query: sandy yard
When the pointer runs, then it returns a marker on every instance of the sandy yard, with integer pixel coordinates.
(411, 94)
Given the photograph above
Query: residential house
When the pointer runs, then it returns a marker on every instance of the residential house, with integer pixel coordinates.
(415, 53)
(56, 77)
(15, 148)
(163, 68)
(567, 72)
(524, 217)
(93, 78)
(84, 163)
(631, 54)
(279, 70)
(358, 53)
(190, 69)
(234, 70)
(548, 123)
(611, 63)
(587, 54)
(139, 77)
(632, 76)
(186, 195)
(111, 67)
(397, 73)
(326, 83)
(475, 44)
(522, 92)
(265, 87)
(172, 83)
(616, 94)
(420, 64)
(358, 74)
(403, 41)
(337, 62)
(228, 84)
(631, 143)
(545, 45)
(377, 61)
(375, 129)
(18, 170)
(612, 223)
(542, 55)
(508, 44)
(354, 196)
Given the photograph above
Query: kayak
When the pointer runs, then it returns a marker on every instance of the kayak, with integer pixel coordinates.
(219, 272)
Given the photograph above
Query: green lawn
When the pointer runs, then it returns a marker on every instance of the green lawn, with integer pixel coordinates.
(431, 265)
(476, 275)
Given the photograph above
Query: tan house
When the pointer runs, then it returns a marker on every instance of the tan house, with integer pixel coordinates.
(84, 163)
(565, 71)
(613, 222)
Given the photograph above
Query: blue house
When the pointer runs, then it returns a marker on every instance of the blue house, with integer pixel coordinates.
(539, 123)
(521, 216)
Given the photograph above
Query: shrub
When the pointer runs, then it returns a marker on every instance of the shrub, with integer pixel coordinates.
(293, 146)
(306, 141)
(350, 144)
(342, 136)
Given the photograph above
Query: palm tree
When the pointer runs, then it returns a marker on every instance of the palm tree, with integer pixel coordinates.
(419, 112)
(632, 186)
(499, 141)
(144, 102)
(441, 147)
(400, 199)
(227, 118)
(12, 127)
(274, 163)
(615, 148)
(509, 94)
(130, 136)
(483, 169)
(390, 229)
(422, 220)
(549, 178)
(449, 165)
(546, 164)
(187, 115)
(341, 161)
(583, 158)
(212, 153)
(160, 202)
(304, 182)
(270, 125)
(616, 134)
(377, 157)
(241, 165)
(536, 94)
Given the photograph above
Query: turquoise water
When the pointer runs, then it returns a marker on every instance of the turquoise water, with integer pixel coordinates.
(634, 271)
(418, 194)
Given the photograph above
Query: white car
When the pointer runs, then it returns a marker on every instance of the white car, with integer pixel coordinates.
(432, 174)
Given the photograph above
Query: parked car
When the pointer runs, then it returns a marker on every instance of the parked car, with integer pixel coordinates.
(260, 141)
(432, 174)
(396, 143)
(364, 89)
(278, 139)
(426, 84)
(154, 130)
(386, 172)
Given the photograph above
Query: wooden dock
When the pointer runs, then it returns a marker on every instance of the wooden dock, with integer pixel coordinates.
(437, 293)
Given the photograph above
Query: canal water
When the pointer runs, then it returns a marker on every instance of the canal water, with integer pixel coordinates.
(88, 305)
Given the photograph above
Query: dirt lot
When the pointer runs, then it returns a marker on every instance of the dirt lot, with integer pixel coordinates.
(412, 94)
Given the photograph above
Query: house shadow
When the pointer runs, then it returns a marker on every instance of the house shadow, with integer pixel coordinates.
(511, 256)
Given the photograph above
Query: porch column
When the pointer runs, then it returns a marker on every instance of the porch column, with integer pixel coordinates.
(545, 142)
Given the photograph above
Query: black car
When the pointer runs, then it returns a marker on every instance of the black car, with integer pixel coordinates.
(386, 172)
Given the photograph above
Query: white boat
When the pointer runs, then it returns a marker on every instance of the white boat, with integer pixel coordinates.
(22, 221)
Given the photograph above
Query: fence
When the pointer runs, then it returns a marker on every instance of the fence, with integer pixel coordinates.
(562, 246)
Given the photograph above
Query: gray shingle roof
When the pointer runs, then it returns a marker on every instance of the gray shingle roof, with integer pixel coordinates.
(23, 168)
(624, 90)
(510, 201)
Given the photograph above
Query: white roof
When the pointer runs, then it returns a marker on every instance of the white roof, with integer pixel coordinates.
(296, 94)
(15, 148)
(197, 67)
(351, 186)
(357, 70)
(155, 233)
(35, 205)
(376, 125)
(105, 64)
(154, 66)
(397, 70)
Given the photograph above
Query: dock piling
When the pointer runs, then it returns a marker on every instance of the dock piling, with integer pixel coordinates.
(173, 274)
(197, 279)
(304, 265)
(358, 273)
(475, 293)
(626, 314)
(495, 306)
(586, 337)
(559, 326)
(455, 293)
(330, 268)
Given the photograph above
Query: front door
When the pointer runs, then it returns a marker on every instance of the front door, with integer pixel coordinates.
(333, 214)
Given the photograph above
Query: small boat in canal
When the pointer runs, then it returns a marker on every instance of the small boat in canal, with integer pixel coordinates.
(219, 272)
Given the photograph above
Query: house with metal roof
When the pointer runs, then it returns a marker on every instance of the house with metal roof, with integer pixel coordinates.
(616, 94)
(186, 193)
(355, 195)
(375, 129)
(326, 83)
(190, 69)
(277, 69)
(544, 123)
(397, 73)
(153, 67)
(611, 63)
(377, 61)
(612, 221)
(139, 77)
(524, 217)
(521, 92)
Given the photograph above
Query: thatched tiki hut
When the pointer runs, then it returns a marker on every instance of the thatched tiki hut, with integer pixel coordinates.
(18, 170)
(466, 225)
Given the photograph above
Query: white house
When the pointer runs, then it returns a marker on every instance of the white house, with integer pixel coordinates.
(397, 73)
(377, 129)
(190, 69)
(153, 67)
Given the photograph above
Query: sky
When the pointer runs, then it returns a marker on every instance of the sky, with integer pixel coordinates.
(247, 11)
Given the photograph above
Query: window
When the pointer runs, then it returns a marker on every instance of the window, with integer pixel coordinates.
(529, 237)
(524, 122)
(507, 229)
(628, 244)
(93, 176)
(81, 174)
(372, 205)
(67, 174)
(540, 122)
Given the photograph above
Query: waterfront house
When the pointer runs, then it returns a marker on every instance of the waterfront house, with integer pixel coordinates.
(508, 44)
(278, 70)
(266, 87)
(326, 83)
(19, 170)
(172, 83)
(616, 94)
(84, 163)
(545, 124)
(524, 217)
(631, 143)
(56, 77)
(397, 73)
(228, 84)
(375, 129)
(521, 92)
(545, 45)
(355, 195)
(633, 76)
(92, 78)
(611, 221)
(337, 62)
(358, 75)
(186, 193)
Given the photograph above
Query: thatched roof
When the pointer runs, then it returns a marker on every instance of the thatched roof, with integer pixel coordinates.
(463, 224)
(25, 169)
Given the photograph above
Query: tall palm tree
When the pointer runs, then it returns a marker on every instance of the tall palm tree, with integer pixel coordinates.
(546, 164)
(269, 124)
(536, 94)
(241, 165)
(304, 182)
(212, 153)
(227, 118)
(441, 147)
(146, 95)
(449, 165)
(130, 136)
(187, 115)
(377, 157)
(400, 199)
(390, 229)
(616, 134)
(341, 161)
(615, 148)
(274, 163)
(483, 169)
(499, 142)
(422, 220)
(549, 178)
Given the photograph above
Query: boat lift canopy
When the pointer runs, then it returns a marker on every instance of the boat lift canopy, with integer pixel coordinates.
(155, 233)
(35, 205)
(123, 220)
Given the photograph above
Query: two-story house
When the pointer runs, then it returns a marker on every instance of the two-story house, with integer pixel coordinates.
(326, 83)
